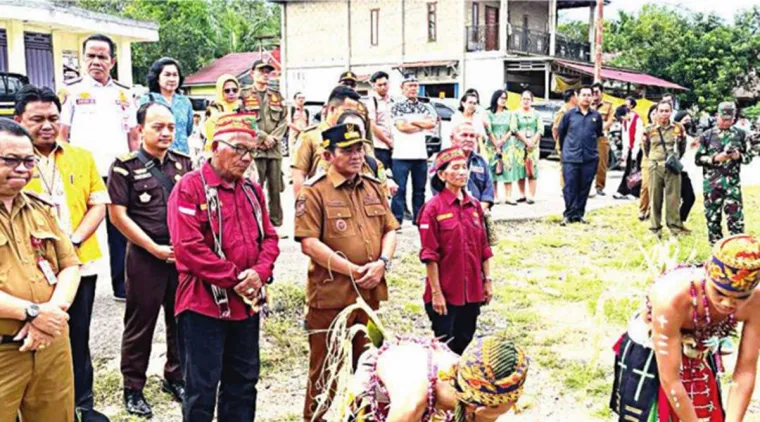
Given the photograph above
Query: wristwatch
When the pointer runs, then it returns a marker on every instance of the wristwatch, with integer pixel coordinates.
(32, 311)
(387, 262)
(75, 240)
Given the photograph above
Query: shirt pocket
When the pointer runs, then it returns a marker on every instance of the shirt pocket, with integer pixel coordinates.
(339, 222)
(47, 247)
(147, 193)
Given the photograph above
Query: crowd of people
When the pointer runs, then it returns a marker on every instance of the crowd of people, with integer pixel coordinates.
(199, 237)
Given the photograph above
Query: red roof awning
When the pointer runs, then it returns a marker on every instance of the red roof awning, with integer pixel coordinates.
(234, 64)
(622, 75)
(434, 63)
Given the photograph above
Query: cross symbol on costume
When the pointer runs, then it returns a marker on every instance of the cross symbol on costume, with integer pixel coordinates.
(644, 374)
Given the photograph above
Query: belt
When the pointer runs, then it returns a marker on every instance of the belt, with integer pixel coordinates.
(9, 340)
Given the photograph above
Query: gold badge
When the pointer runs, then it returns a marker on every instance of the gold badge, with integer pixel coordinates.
(145, 198)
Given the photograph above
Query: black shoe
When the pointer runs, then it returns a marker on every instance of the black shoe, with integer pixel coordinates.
(600, 192)
(90, 415)
(583, 221)
(530, 201)
(135, 403)
(564, 222)
(175, 388)
(523, 199)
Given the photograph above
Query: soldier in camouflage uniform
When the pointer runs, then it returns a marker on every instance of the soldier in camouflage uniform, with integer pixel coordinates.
(722, 151)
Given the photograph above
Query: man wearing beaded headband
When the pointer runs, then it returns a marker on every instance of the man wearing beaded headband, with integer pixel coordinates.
(225, 248)
(667, 362)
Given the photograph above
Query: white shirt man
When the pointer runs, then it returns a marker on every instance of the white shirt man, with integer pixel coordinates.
(100, 117)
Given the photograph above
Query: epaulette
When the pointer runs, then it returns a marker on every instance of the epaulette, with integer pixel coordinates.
(371, 177)
(128, 156)
(310, 128)
(117, 83)
(73, 81)
(314, 179)
(38, 197)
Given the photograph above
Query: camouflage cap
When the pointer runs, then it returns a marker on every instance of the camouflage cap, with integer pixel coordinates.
(727, 109)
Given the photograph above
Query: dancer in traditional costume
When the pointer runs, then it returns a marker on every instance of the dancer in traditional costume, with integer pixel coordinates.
(415, 379)
(667, 364)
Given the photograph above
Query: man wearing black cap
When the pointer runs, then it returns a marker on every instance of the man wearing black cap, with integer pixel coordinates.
(345, 226)
(348, 79)
(267, 105)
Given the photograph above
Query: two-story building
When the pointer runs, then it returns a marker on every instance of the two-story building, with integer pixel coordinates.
(451, 45)
(43, 39)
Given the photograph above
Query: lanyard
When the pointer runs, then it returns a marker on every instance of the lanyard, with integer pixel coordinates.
(49, 187)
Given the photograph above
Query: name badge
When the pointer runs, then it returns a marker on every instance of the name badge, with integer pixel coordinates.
(478, 169)
(47, 270)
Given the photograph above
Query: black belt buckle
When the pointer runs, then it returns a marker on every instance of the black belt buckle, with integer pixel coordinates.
(9, 340)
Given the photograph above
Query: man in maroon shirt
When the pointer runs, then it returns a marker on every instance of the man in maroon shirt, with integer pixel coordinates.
(225, 249)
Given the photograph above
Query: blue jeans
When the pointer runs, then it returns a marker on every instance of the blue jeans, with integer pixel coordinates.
(401, 170)
(578, 180)
(219, 354)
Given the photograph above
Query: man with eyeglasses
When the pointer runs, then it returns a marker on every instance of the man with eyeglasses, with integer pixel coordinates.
(139, 184)
(67, 176)
(99, 116)
(39, 276)
(271, 120)
(225, 246)
(604, 108)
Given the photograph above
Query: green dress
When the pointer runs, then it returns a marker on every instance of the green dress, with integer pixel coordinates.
(500, 123)
(528, 123)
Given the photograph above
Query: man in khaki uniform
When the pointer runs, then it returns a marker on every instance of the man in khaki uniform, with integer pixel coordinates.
(608, 118)
(271, 119)
(343, 223)
(308, 152)
(661, 139)
(571, 100)
(39, 277)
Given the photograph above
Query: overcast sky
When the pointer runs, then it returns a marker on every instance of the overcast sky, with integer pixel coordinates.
(724, 8)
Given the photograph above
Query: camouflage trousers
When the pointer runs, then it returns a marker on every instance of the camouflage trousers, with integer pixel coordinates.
(724, 196)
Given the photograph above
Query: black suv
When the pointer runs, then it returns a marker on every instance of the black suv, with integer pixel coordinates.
(10, 84)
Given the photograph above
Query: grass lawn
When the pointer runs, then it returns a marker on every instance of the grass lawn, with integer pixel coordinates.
(565, 294)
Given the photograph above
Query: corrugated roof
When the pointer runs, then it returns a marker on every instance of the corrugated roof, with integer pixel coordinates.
(233, 63)
(637, 78)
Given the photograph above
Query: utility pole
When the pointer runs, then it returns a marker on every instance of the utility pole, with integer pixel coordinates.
(598, 41)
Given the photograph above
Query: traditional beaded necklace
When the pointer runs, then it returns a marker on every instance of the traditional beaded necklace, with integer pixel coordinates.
(375, 384)
(721, 330)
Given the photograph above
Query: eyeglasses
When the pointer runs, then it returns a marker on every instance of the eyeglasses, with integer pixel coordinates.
(240, 150)
(13, 162)
(231, 91)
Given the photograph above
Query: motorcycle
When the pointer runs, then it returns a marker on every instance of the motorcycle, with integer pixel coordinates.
(616, 159)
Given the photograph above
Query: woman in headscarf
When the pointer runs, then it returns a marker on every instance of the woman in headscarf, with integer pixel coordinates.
(227, 100)
(668, 363)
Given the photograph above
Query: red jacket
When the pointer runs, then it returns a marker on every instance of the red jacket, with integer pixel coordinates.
(197, 263)
(453, 234)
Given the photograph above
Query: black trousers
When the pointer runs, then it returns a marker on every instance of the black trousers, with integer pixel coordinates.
(80, 314)
(219, 355)
(384, 156)
(630, 167)
(117, 251)
(578, 180)
(687, 196)
(457, 327)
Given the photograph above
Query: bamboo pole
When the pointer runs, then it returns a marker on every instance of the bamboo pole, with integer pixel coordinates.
(598, 41)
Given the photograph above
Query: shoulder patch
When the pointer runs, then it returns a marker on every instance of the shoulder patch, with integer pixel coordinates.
(310, 128)
(314, 179)
(73, 81)
(120, 84)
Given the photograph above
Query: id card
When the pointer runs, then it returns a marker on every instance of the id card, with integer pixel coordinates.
(47, 270)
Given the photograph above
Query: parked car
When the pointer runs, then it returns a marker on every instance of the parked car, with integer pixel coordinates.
(547, 110)
(10, 84)
(199, 104)
(446, 108)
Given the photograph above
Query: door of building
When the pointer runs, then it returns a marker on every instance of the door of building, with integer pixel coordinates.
(39, 59)
(492, 28)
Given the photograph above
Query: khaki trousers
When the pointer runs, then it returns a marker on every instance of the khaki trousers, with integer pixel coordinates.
(644, 194)
(603, 144)
(37, 385)
(665, 189)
